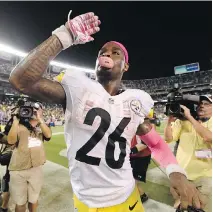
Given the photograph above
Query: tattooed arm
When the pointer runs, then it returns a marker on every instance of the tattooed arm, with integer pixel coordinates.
(27, 75)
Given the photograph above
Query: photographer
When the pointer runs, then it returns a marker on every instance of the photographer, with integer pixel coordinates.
(5, 156)
(195, 144)
(27, 159)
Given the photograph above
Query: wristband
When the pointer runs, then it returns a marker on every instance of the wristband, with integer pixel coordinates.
(64, 36)
(171, 168)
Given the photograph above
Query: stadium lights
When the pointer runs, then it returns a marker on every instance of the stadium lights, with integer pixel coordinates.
(11, 50)
(8, 49)
(67, 66)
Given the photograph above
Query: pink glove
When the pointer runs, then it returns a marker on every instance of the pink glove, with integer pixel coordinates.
(82, 27)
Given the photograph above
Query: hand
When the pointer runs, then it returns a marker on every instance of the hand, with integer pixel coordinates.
(16, 112)
(134, 150)
(39, 114)
(186, 191)
(82, 27)
(171, 119)
(15, 118)
(186, 112)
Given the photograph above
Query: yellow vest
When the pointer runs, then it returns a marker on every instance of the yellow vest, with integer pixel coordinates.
(190, 141)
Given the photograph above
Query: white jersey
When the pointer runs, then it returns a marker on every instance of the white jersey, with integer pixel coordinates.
(98, 133)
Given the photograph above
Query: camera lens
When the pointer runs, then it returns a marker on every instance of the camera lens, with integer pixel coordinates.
(174, 108)
(26, 112)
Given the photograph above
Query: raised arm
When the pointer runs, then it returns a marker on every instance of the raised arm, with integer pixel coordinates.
(27, 75)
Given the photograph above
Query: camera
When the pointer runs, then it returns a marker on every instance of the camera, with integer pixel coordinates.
(26, 109)
(189, 209)
(175, 98)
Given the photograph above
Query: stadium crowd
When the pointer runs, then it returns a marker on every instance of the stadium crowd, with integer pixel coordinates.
(151, 85)
(157, 87)
(166, 83)
(52, 113)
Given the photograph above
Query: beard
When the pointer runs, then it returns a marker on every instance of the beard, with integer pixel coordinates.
(104, 74)
(202, 114)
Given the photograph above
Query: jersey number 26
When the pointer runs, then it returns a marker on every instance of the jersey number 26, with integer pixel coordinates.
(115, 136)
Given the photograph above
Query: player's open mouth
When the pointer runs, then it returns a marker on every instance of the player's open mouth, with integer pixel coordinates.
(103, 68)
(105, 62)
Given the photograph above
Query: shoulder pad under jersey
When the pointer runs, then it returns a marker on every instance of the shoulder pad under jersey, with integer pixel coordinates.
(59, 77)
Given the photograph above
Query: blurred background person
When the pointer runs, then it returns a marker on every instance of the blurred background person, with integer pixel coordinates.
(140, 159)
(195, 146)
(141, 156)
(26, 175)
(5, 156)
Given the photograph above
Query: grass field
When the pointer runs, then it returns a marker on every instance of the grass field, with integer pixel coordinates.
(161, 128)
(53, 148)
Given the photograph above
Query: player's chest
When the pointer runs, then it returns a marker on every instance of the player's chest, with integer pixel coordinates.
(99, 108)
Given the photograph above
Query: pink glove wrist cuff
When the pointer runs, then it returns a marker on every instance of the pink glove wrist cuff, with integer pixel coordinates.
(64, 36)
(171, 168)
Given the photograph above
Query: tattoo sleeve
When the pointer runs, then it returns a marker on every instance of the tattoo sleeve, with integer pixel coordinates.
(144, 128)
(27, 78)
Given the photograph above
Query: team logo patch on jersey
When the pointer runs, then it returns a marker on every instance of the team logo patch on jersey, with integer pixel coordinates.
(136, 107)
(59, 77)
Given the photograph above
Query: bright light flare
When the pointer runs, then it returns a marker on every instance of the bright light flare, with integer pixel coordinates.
(11, 50)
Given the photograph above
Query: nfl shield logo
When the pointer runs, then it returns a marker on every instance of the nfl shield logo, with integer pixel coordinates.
(111, 101)
(136, 106)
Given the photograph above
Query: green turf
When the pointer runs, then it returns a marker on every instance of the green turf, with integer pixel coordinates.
(158, 192)
(57, 129)
(53, 147)
(161, 128)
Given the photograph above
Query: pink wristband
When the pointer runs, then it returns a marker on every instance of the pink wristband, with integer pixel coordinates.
(160, 150)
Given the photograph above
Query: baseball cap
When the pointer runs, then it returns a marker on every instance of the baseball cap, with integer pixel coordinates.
(206, 97)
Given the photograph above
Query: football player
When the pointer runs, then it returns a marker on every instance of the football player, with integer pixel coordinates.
(100, 121)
